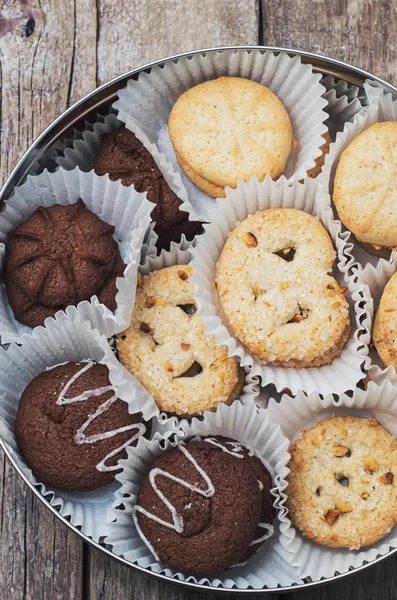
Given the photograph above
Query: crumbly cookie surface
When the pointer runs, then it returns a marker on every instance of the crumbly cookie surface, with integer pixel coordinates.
(365, 193)
(342, 482)
(167, 350)
(277, 296)
(385, 327)
(231, 128)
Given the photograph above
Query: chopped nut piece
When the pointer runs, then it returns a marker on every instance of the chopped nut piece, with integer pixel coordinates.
(168, 366)
(371, 464)
(341, 451)
(139, 280)
(250, 239)
(145, 328)
(286, 250)
(331, 516)
(335, 305)
(161, 302)
(150, 302)
(364, 496)
(183, 275)
(343, 289)
(297, 319)
(257, 290)
(343, 507)
(185, 346)
(386, 478)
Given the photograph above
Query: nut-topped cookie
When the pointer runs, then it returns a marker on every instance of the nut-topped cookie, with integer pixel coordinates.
(205, 505)
(364, 188)
(342, 482)
(385, 327)
(276, 292)
(228, 129)
(167, 350)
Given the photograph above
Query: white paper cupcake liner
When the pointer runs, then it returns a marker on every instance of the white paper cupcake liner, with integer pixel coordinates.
(345, 370)
(179, 255)
(124, 208)
(69, 339)
(302, 412)
(245, 424)
(343, 103)
(145, 104)
(382, 108)
(375, 279)
(84, 149)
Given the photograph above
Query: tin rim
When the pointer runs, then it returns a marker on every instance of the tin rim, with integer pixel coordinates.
(78, 111)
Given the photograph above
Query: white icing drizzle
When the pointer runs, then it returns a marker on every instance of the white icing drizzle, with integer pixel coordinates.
(177, 523)
(269, 532)
(80, 437)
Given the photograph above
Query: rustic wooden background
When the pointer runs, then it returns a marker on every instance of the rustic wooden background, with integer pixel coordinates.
(52, 52)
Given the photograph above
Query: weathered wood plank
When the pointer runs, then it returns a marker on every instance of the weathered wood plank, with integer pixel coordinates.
(109, 580)
(361, 32)
(39, 556)
(377, 583)
(132, 32)
(47, 60)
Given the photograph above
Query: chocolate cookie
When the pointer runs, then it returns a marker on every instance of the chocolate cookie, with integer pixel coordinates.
(124, 157)
(72, 429)
(60, 256)
(205, 505)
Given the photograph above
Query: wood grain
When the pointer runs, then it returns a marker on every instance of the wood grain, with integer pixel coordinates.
(132, 32)
(360, 32)
(107, 579)
(39, 556)
(42, 70)
(44, 67)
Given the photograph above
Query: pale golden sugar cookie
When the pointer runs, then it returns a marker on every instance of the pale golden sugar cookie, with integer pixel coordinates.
(215, 191)
(167, 350)
(316, 170)
(342, 482)
(273, 283)
(228, 129)
(385, 327)
(365, 191)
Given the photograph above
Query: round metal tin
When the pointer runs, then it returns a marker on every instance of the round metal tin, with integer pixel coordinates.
(80, 111)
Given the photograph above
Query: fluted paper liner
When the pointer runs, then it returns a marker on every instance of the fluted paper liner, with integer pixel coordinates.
(302, 412)
(381, 108)
(343, 103)
(83, 150)
(345, 370)
(145, 104)
(245, 424)
(69, 339)
(375, 277)
(180, 255)
(124, 208)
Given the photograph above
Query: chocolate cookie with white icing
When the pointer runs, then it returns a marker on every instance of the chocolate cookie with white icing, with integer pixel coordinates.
(205, 505)
(72, 428)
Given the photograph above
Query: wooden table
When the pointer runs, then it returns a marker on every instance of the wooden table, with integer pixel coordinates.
(52, 52)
